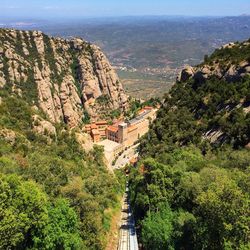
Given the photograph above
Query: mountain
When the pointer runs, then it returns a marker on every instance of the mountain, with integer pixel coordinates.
(55, 189)
(147, 50)
(150, 50)
(65, 78)
(214, 99)
(190, 189)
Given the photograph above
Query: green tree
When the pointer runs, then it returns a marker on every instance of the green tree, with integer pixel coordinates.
(23, 212)
(62, 229)
(157, 229)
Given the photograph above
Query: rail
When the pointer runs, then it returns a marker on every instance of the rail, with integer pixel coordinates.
(127, 235)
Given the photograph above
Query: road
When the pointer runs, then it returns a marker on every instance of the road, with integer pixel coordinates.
(126, 156)
(127, 234)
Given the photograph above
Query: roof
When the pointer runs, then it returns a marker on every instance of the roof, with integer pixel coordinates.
(112, 129)
(93, 126)
(109, 145)
(101, 122)
(148, 108)
(123, 124)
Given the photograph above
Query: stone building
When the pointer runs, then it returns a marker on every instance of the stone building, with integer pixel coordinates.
(125, 133)
(97, 130)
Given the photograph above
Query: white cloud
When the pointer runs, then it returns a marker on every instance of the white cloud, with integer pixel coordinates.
(51, 8)
(12, 7)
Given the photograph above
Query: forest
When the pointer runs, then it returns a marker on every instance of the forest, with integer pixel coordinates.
(188, 191)
(53, 194)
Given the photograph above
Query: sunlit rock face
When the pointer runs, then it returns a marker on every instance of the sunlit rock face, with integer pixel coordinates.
(63, 77)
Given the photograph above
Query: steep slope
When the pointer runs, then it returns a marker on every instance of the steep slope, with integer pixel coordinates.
(190, 190)
(231, 62)
(55, 190)
(209, 102)
(65, 78)
(54, 195)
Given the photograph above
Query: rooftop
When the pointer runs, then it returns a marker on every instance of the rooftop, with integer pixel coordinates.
(131, 128)
(138, 118)
(112, 128)
(93, 126)
(101, 123)
(148, 108)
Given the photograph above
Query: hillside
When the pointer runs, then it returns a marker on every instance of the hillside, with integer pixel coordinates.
(210, 101)
(190, 189)
(55, 190)
(65, 78)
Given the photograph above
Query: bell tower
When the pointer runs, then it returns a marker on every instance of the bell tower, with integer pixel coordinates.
(122, 133)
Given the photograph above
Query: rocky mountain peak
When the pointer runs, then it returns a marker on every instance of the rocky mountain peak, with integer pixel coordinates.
(65, 78)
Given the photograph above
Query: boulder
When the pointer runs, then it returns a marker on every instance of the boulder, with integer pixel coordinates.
(42, 126)
(186, 74)
(8, 135)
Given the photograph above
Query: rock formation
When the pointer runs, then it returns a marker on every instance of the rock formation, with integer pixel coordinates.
(230, 63)
(65, 78)
(221, 68)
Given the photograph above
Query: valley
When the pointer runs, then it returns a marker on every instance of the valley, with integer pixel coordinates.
(148, 51)
(162, 143)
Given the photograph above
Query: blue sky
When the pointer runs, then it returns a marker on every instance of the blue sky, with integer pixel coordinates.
(86, 8)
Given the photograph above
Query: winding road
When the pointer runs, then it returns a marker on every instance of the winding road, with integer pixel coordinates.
(127, 235)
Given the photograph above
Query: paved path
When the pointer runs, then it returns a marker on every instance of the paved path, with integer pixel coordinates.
(126, 156)
(127, 235)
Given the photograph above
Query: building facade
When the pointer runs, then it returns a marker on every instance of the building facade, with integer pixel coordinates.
(125, 133)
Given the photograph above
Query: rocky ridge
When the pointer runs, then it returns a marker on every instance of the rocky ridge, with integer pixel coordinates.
(65, 78)
(220, 66)
(230, 63)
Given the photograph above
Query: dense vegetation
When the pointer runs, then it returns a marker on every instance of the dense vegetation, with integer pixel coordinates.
(54, 195)
(185, 200)
(193, 109)
(190, 190)
(234, 53)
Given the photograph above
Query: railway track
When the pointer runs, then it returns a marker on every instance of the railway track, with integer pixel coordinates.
(127, 234)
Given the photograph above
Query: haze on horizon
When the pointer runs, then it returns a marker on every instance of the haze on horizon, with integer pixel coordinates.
(103, 8)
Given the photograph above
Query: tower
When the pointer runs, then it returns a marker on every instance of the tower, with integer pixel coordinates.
(122, 133)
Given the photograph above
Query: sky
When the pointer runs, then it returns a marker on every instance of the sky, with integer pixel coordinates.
(100, 8)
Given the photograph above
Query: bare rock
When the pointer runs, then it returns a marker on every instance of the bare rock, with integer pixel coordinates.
(42, 126)
(228, 46)
(2, 81)
(8, 135)
(46, 98)
(75, 77)
(71, 102)
(38, 39)
(186, 74)
(85, 141)
(232, 74)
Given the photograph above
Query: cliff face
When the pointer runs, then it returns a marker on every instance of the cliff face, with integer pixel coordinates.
(65, 78)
